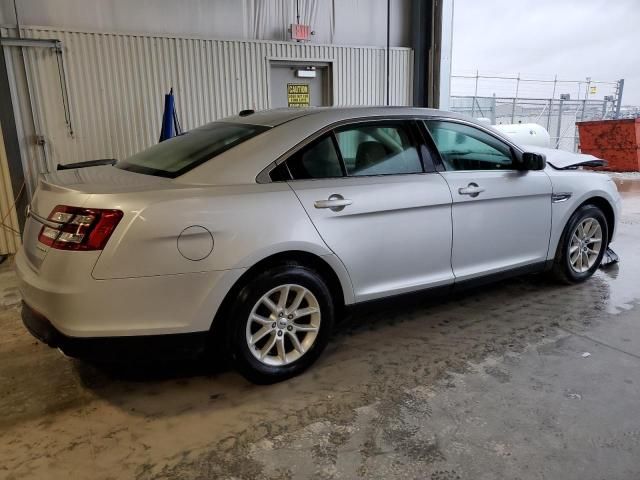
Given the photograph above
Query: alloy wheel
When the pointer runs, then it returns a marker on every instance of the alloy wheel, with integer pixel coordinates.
(585, 245)
(283, 325)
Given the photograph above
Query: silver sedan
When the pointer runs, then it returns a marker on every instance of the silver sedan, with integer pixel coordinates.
(252, 233)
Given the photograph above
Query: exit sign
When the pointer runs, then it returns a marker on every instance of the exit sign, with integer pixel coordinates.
(300, 33)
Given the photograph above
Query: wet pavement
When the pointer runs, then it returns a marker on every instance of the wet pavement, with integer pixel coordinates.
(523, 379)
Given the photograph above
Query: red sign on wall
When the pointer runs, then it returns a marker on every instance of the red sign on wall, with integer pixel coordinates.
(300, 32)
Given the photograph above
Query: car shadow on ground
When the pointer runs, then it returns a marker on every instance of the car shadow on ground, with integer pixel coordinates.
(377, 352)
(356, 321)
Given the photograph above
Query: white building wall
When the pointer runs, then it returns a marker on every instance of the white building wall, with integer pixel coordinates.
(116, 84)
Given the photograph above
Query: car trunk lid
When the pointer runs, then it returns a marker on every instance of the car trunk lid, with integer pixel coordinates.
(74, 188)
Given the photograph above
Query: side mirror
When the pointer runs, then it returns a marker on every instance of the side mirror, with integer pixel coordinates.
(532, 161)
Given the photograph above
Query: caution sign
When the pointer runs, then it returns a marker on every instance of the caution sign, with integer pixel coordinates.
(297, 95)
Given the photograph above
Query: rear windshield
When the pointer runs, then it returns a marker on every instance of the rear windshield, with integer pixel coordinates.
(180, 154)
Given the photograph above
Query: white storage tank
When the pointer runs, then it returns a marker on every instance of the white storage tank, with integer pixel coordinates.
(526, 133)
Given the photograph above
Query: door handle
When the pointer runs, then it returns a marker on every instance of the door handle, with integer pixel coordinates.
(335, 203)
(473, 190)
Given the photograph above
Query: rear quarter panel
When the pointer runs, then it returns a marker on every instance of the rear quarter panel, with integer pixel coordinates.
(247, 223)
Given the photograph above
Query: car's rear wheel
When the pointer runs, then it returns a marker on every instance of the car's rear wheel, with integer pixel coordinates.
(582, 245)
(282, 320)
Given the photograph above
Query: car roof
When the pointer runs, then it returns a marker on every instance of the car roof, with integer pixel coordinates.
(278, 116)
(267, 118)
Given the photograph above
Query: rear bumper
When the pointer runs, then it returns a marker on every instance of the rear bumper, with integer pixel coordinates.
(79, 306)
(113, 348)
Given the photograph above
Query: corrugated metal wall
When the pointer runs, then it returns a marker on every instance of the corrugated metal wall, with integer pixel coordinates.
(9, 228)
(117, 81)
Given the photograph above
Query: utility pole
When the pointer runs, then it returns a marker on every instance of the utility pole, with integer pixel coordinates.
(586, 92)
(563, 97)
(619, 97)
(493, 109)
(475, 96)
(515, 99)
(559, 126)
(553, 96)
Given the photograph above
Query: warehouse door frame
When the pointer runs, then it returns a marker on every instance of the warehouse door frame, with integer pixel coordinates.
(325, 64)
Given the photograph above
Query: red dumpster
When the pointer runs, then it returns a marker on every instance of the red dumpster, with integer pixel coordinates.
(616, 141)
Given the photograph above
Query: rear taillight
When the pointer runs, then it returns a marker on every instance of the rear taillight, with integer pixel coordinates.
(73, 228)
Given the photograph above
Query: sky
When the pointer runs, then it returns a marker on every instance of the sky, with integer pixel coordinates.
(538, 39)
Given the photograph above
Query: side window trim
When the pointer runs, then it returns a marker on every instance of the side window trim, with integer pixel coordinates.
(286, 165)
(425, 122)
(336, 146)
(419, 144)
(428, 144)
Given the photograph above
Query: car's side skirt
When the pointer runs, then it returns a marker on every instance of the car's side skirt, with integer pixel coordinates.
(440, 291)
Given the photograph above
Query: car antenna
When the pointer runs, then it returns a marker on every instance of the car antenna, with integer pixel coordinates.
(246, 113)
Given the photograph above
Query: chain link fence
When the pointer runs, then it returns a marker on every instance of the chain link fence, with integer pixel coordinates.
(558, 112)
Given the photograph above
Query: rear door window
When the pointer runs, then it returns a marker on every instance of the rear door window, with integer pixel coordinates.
(317, 160)
(378, 149)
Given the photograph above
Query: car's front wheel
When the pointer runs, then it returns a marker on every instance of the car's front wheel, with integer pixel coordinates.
(582, 245)
(282, 320)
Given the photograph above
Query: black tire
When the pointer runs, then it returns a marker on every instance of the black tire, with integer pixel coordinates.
(562, 269)
(247, 364)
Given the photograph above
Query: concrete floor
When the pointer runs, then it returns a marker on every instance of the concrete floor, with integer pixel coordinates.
(491, 384)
